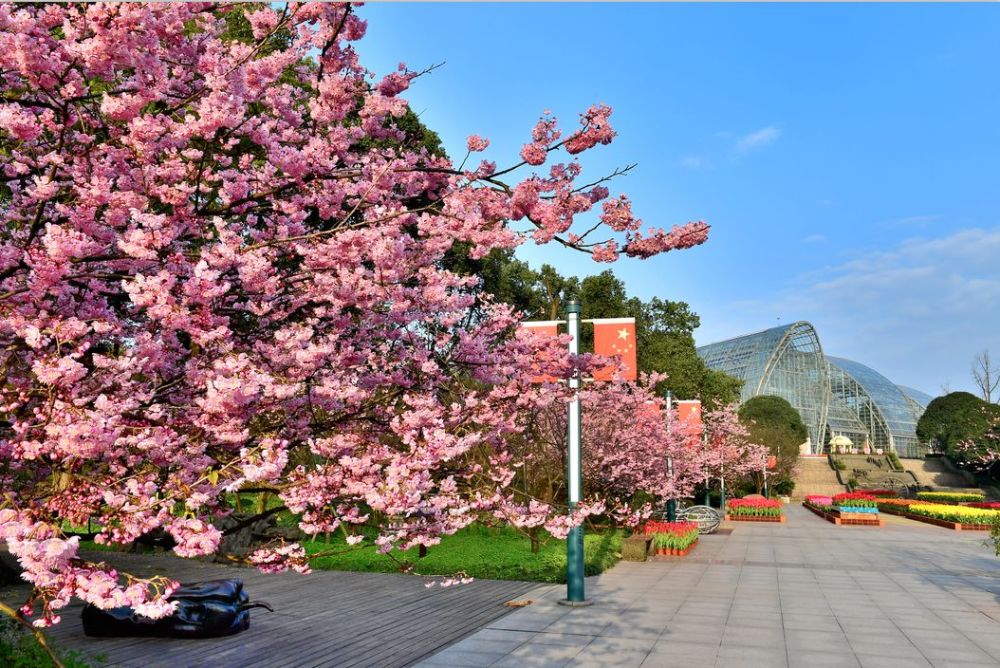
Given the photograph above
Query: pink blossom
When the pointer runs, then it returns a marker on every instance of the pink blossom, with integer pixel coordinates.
(194, 537)
(680, 237)
(617, 214)
(534, 153)
(606, 252)
(477, 143)
(253, 289)
(596, 130)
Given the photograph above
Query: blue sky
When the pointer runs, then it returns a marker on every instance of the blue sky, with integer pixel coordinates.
(847, 156)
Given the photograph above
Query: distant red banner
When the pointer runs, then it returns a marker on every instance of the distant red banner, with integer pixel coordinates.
(615, 337)
(548, 328)
(689, 417)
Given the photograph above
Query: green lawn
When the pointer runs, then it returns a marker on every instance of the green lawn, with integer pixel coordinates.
(482, 552)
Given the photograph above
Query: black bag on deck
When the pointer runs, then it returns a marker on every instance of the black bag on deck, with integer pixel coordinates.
(204, 610)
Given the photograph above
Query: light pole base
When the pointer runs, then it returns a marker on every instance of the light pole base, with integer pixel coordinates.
(576, 604)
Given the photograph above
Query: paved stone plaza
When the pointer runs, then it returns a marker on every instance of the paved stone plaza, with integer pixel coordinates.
(806, 594)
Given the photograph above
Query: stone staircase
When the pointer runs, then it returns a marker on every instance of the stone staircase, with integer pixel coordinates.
(939, 474)
(813, 475)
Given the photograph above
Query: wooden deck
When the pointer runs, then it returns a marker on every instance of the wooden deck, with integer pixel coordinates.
(327, 618)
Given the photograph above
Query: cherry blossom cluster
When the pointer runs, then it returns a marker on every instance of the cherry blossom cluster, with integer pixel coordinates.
(728, 451)
(223, 264)
(981, 453)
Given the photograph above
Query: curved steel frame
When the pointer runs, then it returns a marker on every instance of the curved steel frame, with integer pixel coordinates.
(833, 395)
(707, 518)
(786, 361)
(890, 414)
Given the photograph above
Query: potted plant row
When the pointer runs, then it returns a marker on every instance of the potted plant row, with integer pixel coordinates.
(672, 538)
(755, 510)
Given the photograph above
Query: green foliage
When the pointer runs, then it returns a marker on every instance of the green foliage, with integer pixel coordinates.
(771, 411)
(839, 464)
(855, 503)
(773, 422)
(954, 418)
(481, 552)
(238, 28)
(894, 460)
(19, 649)
(675, 541)
(783, 487)
(995, 536)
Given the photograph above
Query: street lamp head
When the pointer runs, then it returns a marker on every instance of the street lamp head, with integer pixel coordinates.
(572, 306)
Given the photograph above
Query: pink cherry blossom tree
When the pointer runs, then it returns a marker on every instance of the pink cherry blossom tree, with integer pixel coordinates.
(222, 265)
(627, 441)
(982, 453)
(728, 452)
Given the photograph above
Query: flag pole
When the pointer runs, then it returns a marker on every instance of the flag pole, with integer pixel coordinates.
(574, 473)
(671, 502)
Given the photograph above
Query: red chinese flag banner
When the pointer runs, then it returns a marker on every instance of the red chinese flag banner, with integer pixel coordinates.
(689, 417)
(648, 409)
(615, 337)
(772, 462)
(548, 328)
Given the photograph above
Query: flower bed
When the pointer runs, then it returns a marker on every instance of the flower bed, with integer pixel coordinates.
(963, 517)
(819, 500)
(959, 518)
(672, 538)
(881, 493)
(755, 510)
(953, 497)
(992, 505)
(832, 509)
(887, 505)
(855, 502)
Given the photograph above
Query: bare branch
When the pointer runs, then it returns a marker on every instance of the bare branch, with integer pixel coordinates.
(986, 376)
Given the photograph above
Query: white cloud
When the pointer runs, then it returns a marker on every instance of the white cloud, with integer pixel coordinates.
(757, 139)
(694, 161)
(916, 312)
(814, 239)
(911, 221)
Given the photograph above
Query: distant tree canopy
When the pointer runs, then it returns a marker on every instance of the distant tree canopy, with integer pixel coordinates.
(956, 418)
(664, 329)
(773, 422)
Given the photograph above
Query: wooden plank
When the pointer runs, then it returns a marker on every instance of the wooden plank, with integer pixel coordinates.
(329, 618)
